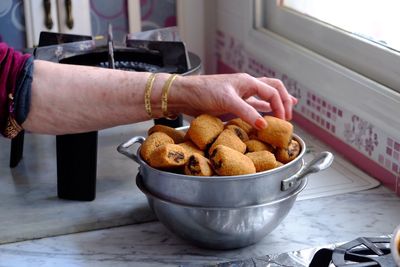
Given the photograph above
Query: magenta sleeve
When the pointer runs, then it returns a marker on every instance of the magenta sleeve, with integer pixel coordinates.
(11, 65)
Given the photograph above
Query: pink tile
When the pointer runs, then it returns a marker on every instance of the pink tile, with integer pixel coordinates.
(390, 142)
(389, 151)
(381, 159)
(387, 163)
(395, 168)
(396, 146)
(396, 155)
(398, 186)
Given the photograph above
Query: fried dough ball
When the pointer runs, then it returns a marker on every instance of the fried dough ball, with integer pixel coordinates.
(278, 133)
(254, 145)
(286, 155)
(198, 165)
(230, 139)
(278, 164)
(152, 142)
(227, 161)
(242, 124)
(204, 129)
(177, 136)
(168, 156)
(191, 147)
(238, 131)
(263, 160)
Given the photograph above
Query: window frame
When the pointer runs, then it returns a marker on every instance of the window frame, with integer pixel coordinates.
(338, 45)
(361, 95)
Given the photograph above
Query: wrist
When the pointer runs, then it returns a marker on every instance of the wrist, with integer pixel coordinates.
(177, 94)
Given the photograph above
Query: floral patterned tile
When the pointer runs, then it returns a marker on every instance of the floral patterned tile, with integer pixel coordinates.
(350, 129)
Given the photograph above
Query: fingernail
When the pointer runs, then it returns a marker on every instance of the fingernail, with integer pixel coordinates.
(261, 123)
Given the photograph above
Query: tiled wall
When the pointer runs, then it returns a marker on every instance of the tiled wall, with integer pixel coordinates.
(368, 147)
(155, 14)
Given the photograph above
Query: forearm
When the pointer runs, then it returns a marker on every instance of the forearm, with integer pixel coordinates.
(73, 99)
(70, 99)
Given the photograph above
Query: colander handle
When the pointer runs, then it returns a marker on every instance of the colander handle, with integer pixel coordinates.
(322, 161)
(124, 147)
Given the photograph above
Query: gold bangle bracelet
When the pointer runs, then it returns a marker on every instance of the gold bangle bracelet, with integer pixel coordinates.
(164, 97)
(147, 94)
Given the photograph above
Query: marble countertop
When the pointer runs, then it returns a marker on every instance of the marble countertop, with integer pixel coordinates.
(143, 241)
(310, 223)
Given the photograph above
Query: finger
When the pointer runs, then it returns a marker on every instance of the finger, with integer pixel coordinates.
(259, 105)
(294, 100)
(271, 95)
(287, 99)
(248, 113)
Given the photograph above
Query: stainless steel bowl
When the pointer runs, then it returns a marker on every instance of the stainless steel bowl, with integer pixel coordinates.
(218, 227)
(227, 191)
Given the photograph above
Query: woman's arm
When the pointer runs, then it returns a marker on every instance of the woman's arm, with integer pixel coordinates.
(72, 99)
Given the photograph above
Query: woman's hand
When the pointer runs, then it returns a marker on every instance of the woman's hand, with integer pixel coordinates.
(239, 94)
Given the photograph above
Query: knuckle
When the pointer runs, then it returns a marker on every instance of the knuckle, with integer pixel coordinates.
(278, 83)
(244, 75)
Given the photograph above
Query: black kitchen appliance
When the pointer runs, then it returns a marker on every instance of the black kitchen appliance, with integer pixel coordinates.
(361, 252)
(77, 153)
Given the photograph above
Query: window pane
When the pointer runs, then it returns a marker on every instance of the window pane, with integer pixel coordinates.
(377, 21)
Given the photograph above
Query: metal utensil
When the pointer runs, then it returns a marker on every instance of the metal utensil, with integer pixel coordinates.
(227, 191)
(221, 228)
(110, 42)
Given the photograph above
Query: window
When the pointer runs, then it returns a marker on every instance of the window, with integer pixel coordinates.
(358, 34)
